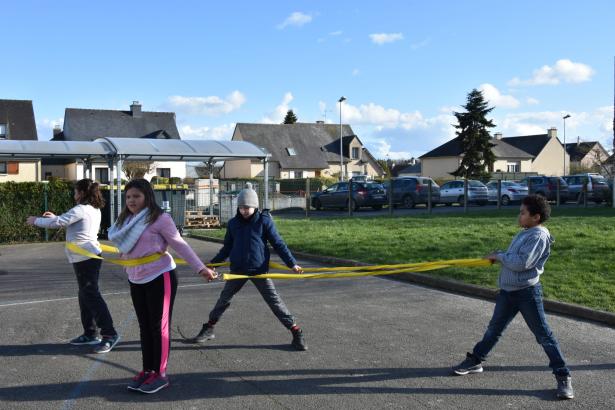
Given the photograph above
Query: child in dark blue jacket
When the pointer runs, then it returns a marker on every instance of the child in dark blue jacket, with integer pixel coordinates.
(245, 244)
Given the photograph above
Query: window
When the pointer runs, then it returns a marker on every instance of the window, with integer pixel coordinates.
(513, 167)
(291, 151)
(355, 152)
(163, 172)
(2, 167)
(298, 174)
(101, 175)
(2, 131)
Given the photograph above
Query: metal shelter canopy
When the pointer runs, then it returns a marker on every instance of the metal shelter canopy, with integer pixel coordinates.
(28, 149)
(181, 150)
(116, 150)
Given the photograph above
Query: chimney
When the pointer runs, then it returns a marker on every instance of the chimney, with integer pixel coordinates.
(135, 109)
(578, 141)
(497, 135)
(56, 131)
(552, 132)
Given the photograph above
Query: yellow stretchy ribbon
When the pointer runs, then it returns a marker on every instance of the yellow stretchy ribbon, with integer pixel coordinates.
(126, 262)
(358, 271)
(309, 273)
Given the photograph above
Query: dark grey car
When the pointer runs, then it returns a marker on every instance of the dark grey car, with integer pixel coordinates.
(596, 185)
(409, 191)
(364, 194)
(547, 187)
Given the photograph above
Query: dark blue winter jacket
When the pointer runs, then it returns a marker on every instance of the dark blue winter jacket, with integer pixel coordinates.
(245, 244)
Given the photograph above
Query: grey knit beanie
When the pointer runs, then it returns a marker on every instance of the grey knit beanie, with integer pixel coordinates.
(247, 197)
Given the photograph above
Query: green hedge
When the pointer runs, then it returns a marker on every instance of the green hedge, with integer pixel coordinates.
(18, 200)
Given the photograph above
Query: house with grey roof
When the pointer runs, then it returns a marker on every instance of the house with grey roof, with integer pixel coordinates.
(17, 123)
(541, 154)
(83, 124)
(586, 155)
(303, 150)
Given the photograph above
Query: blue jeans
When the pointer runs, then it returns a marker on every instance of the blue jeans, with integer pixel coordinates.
(528, 301)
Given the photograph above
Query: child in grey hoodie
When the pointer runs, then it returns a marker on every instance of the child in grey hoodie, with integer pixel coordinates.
(520, 291)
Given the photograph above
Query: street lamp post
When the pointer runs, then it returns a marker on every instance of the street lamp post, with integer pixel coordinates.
(564, 118)
(341, 100)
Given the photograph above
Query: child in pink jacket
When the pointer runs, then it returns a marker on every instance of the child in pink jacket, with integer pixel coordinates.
(143, 229)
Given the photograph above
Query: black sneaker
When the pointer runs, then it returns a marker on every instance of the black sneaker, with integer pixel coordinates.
(138, 380)
(85, 340)
(153, 383)
(106, 344)
(298, 341)
(564, 387)
(468, 366)
(206, 333)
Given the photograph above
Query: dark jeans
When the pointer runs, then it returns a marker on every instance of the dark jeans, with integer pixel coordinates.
(528, 301)
(267, 291)
(94, 311)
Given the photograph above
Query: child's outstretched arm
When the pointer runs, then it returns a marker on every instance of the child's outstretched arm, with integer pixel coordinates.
(279, 245)
(526, 257)
(49, 220)
(225, 251)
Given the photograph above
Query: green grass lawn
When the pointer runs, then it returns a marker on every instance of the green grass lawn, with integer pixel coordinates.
(580, 269)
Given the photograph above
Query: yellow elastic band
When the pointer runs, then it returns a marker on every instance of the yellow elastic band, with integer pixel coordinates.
(358, 271)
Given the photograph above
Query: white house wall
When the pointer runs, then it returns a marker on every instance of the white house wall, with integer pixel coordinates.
(28, 172)
(550, 161)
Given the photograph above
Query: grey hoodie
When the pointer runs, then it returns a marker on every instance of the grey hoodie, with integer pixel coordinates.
(524, 260)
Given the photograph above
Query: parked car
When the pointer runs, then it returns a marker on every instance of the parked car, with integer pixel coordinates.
(409, 191)
(547, 187)
(452, 192)
(510, 191)
(597, 187)
(364, 194)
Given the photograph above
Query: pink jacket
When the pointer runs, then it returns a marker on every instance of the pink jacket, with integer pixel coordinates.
(157, 237)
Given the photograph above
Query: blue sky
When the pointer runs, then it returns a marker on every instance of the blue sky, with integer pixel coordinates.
(404, 66)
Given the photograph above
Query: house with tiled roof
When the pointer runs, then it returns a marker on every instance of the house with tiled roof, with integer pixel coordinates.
(541, 154)
(17, 123)
(586, 155)
(303, 150)
(84, 124)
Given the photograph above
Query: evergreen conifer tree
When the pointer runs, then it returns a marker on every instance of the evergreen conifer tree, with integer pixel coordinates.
(290, 118)
(473, 134)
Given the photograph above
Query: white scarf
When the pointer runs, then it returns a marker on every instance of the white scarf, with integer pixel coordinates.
(126, 236)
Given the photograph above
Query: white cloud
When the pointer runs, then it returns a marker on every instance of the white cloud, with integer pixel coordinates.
(493, 95)
(564, 70)
(383, 150)
(355, 71)
(277, 116)
(420, 44)
(336, 33)
(532, 101)
(296, 19)
(219, 133)
(212, 105)
(382, 38)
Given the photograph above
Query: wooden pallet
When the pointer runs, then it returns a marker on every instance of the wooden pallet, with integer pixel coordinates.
(199, 219)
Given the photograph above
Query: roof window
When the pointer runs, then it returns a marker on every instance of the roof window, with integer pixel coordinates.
(291, 151)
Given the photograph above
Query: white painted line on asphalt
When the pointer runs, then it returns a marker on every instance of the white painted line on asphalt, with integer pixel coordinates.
(32, 302)
(87, 377)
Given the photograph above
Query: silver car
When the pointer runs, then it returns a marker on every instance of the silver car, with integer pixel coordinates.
(510, 192)
(452, 192)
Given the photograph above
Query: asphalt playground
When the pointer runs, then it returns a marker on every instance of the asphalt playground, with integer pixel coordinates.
(374, 343)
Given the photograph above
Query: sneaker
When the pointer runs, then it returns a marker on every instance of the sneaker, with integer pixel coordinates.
(206, 333)
(468, 366)
(564, 387)
(107, 343)
(138, 380)
(85, 340)
(298, 341)
(153, 383)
